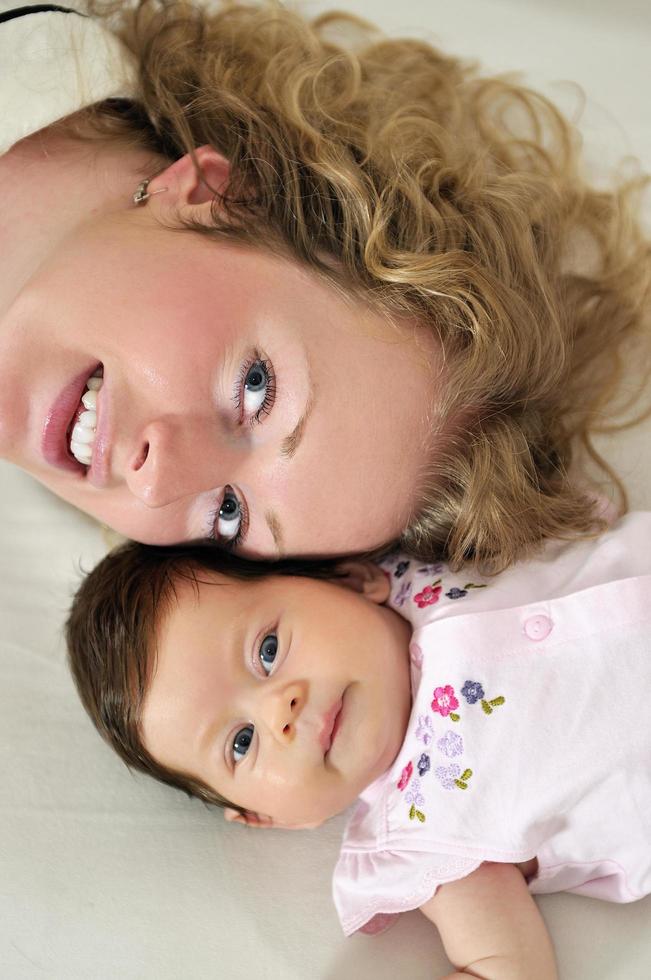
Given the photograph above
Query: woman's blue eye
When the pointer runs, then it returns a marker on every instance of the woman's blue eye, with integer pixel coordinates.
(229, 518)
(267, 652)
(242, 743)
(257, 390)
(257, 377)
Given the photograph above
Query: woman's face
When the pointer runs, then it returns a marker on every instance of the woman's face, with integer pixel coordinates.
(242, 398)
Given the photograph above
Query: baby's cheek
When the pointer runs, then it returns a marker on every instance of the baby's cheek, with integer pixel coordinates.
(326, 797)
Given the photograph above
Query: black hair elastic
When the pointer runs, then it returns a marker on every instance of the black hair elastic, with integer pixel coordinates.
(39, 8)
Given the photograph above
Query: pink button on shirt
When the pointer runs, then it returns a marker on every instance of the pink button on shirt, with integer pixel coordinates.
(538, 627)
(530, 731)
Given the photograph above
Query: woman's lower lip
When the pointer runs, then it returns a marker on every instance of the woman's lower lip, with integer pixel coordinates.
(54, 439)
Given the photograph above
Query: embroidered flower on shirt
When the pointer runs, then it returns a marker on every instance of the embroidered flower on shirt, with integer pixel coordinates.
(423, 764)
(401, 568)
(445, 702)
(414, 794)
(446, 775)
(472, 691)
(456, 593)
(425, 729)
(405, 775)
(403, 594)
(487, 706)
(429, 595)
(450, 744)
(430, 569)
(451, 776)
(413, 812)
(462, 781)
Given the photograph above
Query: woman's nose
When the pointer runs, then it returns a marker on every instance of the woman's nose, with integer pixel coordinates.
(282, 708)
(171, 459)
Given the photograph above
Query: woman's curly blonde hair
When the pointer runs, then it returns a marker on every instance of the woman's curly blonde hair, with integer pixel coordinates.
(399, 173)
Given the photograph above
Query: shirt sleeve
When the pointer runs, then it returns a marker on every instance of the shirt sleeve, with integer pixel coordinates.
(372, 888)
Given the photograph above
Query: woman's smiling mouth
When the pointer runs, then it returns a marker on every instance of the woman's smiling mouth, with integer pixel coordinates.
(84, 422)
(59, 422)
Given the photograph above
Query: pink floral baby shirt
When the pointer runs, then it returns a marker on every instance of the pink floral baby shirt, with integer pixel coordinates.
(529, 736)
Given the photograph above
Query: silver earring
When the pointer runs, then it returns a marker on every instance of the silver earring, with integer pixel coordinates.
(142, 195)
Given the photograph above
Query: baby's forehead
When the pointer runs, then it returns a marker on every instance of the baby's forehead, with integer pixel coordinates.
(198, 586)
(194, 586)
(195, 599)
(204, 609)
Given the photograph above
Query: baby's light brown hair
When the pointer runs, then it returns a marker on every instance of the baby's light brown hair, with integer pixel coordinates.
(111, 635)
(402, 175)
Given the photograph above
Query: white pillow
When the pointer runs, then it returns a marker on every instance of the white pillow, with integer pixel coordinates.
(106, 875)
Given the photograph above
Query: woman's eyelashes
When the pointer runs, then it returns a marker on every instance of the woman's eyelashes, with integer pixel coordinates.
(230, 521)
(255, 390)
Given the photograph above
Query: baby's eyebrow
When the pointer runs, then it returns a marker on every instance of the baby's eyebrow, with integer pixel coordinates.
(208, 732)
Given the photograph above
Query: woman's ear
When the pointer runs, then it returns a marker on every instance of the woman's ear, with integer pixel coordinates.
(367, 578)
(188, 186)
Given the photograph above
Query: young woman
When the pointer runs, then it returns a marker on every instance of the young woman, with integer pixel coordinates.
(299, 298)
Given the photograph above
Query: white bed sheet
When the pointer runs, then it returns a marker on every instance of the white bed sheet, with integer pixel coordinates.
(105, 875)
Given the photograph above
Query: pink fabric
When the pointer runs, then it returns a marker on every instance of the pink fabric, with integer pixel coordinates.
(530, 731)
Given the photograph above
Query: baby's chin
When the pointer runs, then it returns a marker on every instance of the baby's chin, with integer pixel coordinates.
(327, 806)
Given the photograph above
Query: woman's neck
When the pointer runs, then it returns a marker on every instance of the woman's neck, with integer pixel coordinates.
(51, 183)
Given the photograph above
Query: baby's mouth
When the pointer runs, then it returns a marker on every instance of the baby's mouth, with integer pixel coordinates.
(83, 424)
(331, 726)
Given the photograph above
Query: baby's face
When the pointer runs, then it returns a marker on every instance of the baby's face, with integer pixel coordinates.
(288, 696)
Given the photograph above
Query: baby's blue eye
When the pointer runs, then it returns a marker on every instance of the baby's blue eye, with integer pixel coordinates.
(267, 652)
(242, 743)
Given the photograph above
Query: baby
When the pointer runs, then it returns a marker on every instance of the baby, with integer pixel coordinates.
(497, 730)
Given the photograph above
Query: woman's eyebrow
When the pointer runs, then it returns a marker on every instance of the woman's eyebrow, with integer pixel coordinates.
(288, 449)
(291, 442)
(273, 524)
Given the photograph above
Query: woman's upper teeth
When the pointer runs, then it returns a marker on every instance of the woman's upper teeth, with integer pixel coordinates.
(82, 437)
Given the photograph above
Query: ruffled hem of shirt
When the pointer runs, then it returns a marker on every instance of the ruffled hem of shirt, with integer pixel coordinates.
(366, 885)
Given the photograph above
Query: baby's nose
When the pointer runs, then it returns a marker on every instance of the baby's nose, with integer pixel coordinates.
(284, 707)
